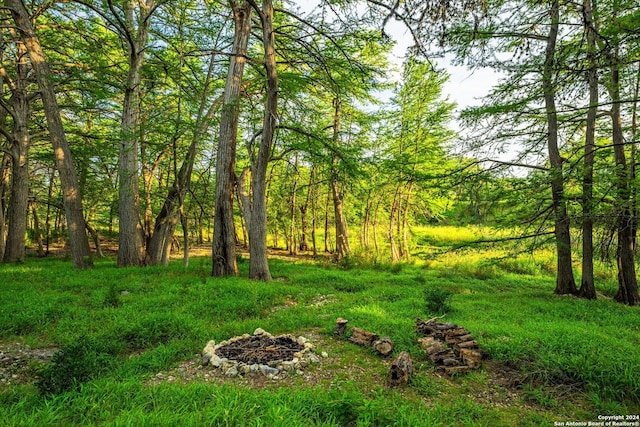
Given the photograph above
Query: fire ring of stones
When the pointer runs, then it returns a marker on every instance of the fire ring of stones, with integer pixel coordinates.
(260, 353)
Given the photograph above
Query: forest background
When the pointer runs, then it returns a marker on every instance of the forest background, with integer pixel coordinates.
(260, 125)
(139, 131)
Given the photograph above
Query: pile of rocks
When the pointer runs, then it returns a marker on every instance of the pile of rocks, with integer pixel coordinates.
(261, 353)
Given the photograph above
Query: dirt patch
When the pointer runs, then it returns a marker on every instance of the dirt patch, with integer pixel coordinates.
(20, 363)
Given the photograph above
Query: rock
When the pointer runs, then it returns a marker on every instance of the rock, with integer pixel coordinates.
(301, 340)
(259, 331)
(308, 346)
(313, 358)
(232, 371)
(268, 370)
(324, 354)
(209, 348)
(206, 358)
(217, 361)
(254, 368)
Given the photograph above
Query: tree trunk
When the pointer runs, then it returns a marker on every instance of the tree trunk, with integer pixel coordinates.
(130, 242)
(166, 221)
(627, 282)
(565, 283)
(395, 256)
(405, 223)
(19, 145)
(587, 287)
(37, 231)
(4, 185)
(304, 244)
(72, 197)
(292, 210)
(258, 264)
(326, 223)
(342, 232)
(224, 242)
(245, 197)
(634, 158)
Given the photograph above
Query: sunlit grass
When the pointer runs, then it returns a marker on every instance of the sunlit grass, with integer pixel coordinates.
(141, 321)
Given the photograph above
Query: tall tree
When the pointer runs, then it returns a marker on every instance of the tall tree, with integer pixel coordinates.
(72, 198)
(224, 239)
(258, 263)
(587, 287)
(18, 145)
(133, 26)
(627, 281)
(565, 282)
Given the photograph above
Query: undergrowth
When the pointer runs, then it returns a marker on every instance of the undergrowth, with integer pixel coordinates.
(117, 327)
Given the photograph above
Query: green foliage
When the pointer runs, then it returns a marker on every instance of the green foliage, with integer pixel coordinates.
(438, 300)
(72, 365)
(108, 354)
(112, 297)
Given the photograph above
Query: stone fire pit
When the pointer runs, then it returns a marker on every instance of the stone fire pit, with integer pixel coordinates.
(260, 353)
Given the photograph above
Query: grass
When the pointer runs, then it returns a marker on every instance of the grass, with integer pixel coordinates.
(116, 328)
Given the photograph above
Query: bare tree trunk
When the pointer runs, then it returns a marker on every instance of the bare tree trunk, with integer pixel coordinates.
(130, 242)
(245, 197)
(4, 185)
(587, 287)
(405, 222)
(326, 223)
(292, 210)
(37, 231)
(627, 282)
(565, 283)
(96, 239)
(258, 264)
(375, 228)
(634, 158)
(224, 242)
(72, 197)
(304, 244)
(314, 216)
(20, 143)
(47, 220)
(395, 256)
(342, 232)
(166, 221)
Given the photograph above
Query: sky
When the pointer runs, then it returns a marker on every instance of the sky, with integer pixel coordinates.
(465, 87)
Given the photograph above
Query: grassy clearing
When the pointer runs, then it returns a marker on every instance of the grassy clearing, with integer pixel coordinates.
(569, 359)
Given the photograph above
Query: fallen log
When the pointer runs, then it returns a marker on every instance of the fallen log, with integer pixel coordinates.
(401, 370)
(449, 346)
(362, 337)
(384, 346)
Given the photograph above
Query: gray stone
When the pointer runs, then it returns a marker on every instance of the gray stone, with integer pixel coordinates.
(206, 358)
(232, 371)
(324, 354)
(313, 358)
(268, 370)
(217, 361)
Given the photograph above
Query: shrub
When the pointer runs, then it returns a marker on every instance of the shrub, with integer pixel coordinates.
(72, 365)
(112, 297)
(438, 300)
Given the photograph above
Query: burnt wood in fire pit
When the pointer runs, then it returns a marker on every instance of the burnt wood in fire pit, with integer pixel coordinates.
(261, 349)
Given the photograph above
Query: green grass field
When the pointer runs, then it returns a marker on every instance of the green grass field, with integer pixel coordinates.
(121, 332)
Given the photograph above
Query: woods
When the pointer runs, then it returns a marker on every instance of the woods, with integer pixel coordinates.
(264, 125)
